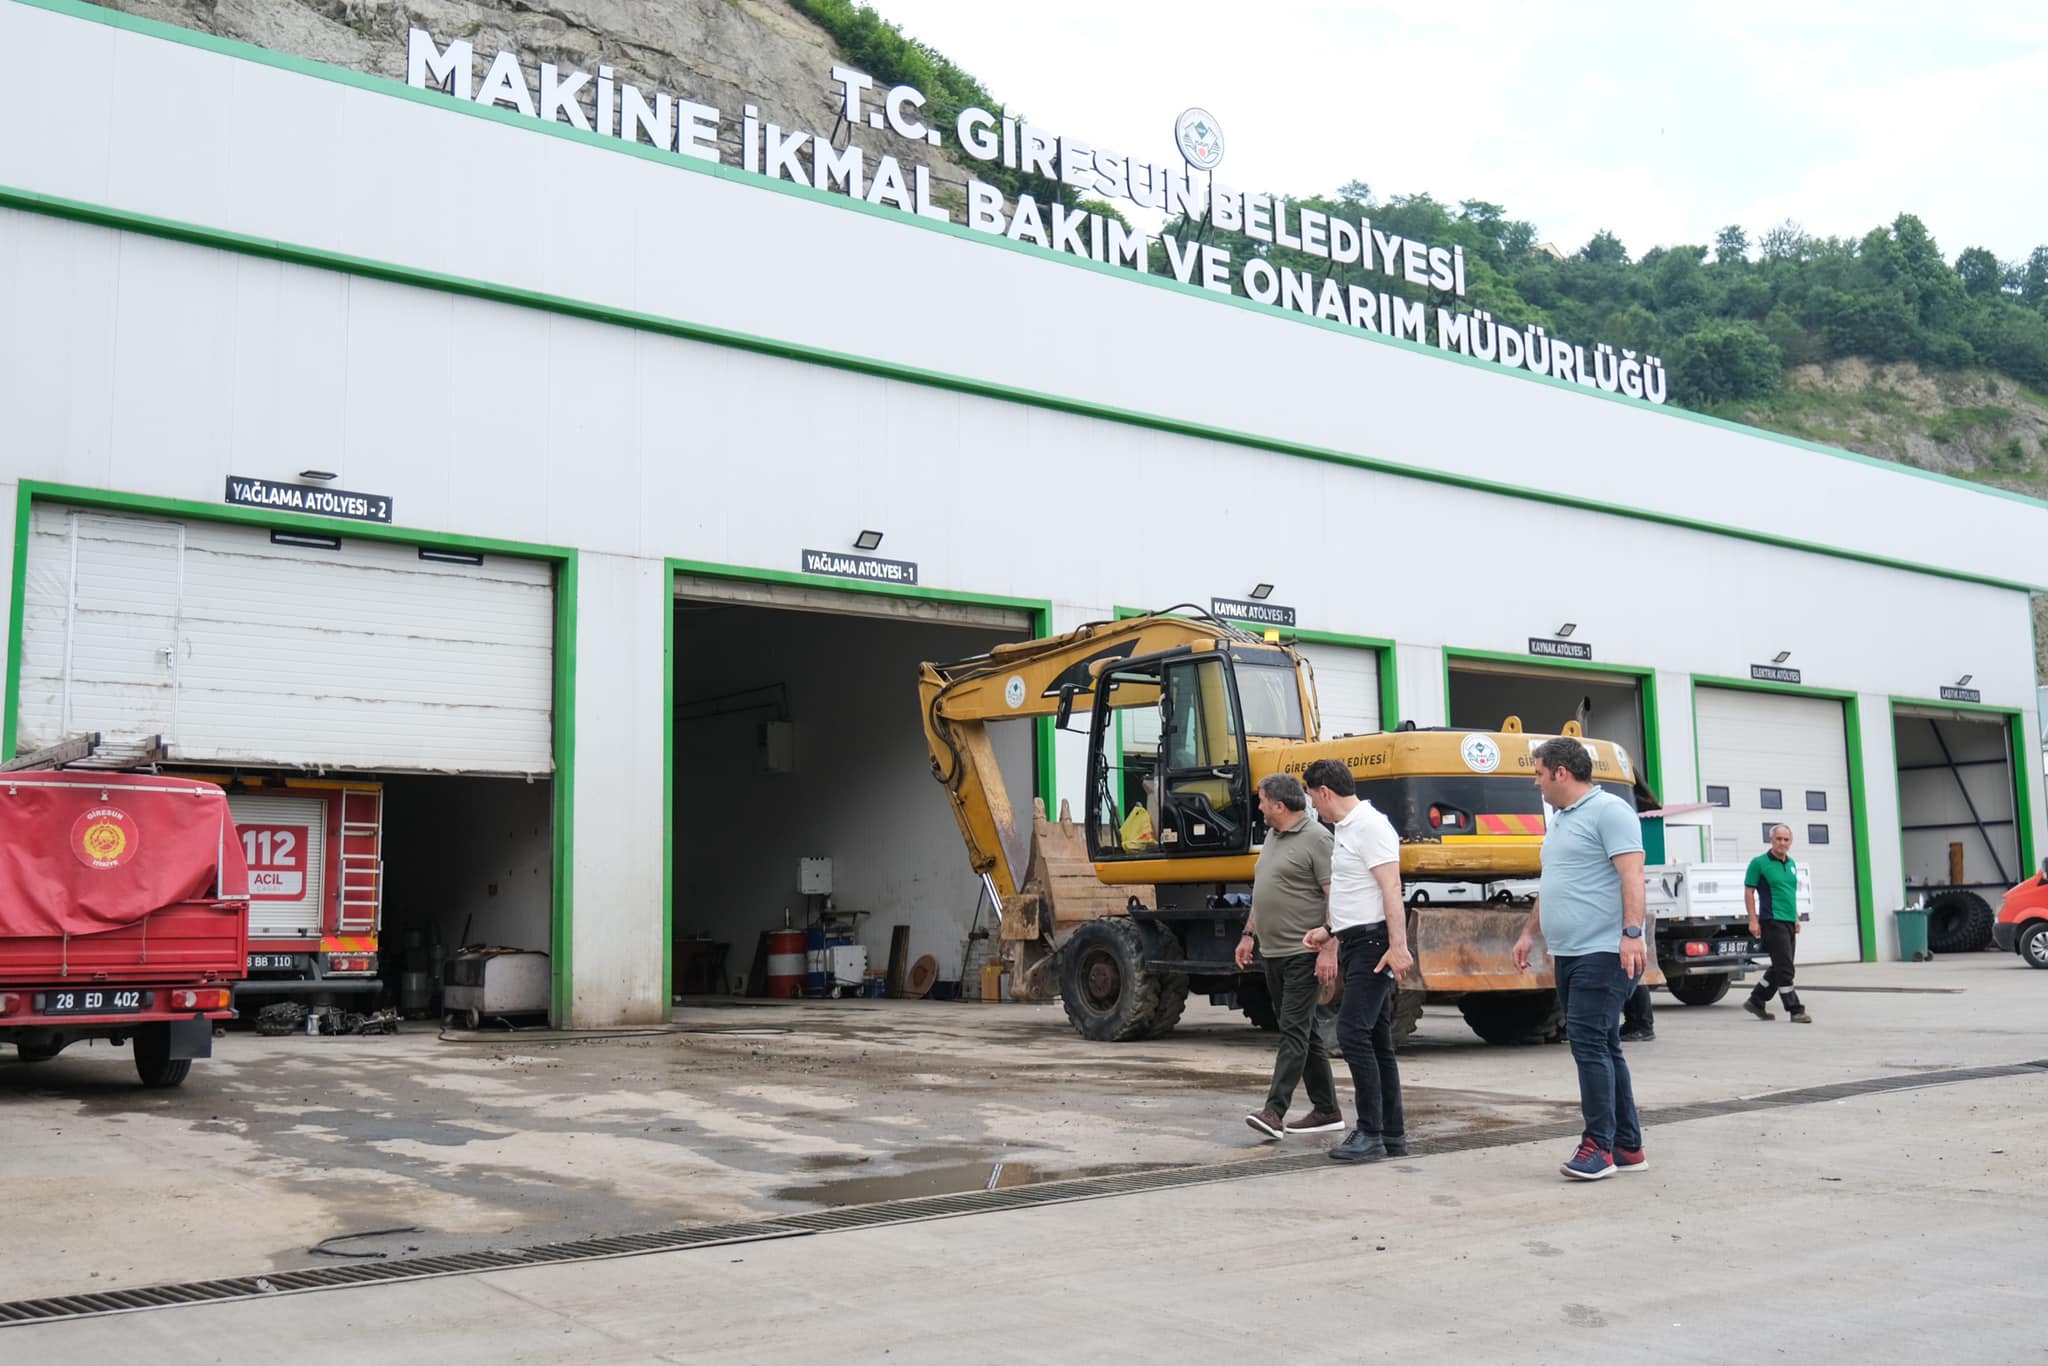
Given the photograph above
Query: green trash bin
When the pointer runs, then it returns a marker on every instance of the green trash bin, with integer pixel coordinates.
(1912, 924)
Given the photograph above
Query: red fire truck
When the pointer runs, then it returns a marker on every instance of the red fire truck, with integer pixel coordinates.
(123, 915)
(315, 849)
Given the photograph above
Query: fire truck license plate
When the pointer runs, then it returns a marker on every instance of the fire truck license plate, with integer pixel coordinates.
(260, 961)
(102, 1001)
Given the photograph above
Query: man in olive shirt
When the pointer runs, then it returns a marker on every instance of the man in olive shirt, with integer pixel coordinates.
(1771, 890)
(1290, 897)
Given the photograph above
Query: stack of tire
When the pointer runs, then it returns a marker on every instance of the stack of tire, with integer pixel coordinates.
(1958, 922)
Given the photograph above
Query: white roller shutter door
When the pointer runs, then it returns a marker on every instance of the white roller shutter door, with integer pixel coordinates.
(1756, 744)
(1347, 687)
(238, 650)
(273, 912)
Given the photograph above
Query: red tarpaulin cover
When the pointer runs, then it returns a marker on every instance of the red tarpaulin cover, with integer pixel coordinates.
(80, 852)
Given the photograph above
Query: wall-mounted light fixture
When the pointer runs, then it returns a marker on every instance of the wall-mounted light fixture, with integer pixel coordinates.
(450, 556)
(1781, 656)
(867, 540)
(1564, 632)
(319, 476)
(305, 540)
(1964, 681)
(1260, 592)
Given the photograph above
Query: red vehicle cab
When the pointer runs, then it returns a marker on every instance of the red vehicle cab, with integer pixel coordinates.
(2022, 923)
(124, 907)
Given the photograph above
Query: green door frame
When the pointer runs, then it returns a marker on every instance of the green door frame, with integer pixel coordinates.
(563, 817)
(1859, 804)
(1040, 613)
(1652, 756)
(2022, 795)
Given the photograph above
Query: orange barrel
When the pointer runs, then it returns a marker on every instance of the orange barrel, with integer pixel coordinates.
(785, 962)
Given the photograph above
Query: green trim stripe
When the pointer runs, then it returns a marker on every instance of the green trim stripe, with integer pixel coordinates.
(1859, 801)
(562, 909)
(382, 85)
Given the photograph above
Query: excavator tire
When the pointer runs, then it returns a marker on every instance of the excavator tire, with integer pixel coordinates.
(1407, 1015)
(1173, 987)
(1256, 1002)
(1509, 1017)
(1109, 993)
(1958, 922)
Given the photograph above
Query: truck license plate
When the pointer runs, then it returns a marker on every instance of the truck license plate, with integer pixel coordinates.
(259, 962)
(97, 1001)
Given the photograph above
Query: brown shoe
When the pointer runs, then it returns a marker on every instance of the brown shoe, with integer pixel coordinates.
(1268, 1122)
(1316, 1122)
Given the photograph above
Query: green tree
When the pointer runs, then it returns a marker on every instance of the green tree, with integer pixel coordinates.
(1605, 249)
(1725, 360)
(1731, 246)
(1980, 272)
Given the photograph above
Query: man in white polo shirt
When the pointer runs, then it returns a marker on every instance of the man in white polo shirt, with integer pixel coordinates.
(1368, 930)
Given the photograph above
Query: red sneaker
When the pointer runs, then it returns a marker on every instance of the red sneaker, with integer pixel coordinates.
(1630, 1160)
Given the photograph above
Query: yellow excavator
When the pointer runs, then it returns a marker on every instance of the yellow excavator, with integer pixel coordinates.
(1141, 902)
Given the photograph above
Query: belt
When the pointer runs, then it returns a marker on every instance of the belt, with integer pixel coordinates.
(1376, 930)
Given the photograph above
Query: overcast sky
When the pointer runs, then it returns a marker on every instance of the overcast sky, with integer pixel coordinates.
(1662, 122)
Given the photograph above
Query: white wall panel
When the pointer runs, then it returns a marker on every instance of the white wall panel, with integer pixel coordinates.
(616, 869)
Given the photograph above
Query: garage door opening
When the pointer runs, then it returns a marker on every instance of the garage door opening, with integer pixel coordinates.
(797, 738)
(367, 887)
(1606, 706)
(1773, 758)
(1958, 833)
(382, 712)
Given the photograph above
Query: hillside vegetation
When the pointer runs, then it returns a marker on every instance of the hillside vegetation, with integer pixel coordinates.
(1944, 359)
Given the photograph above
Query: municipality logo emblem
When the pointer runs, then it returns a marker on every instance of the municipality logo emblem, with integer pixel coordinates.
(1200, 139)
(1480, 753)
(1013, 691)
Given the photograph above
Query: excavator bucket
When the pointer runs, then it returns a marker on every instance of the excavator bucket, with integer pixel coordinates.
(1060, 887)
(1060, 891)
(1473, 949)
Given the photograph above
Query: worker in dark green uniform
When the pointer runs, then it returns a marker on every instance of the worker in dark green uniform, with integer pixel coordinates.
(1771, 891)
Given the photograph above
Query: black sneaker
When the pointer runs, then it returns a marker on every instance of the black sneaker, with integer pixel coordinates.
(1396, 1144)
(1360, 1147)
(1755, 1007)
(1638, 1035)
(1317, 1122)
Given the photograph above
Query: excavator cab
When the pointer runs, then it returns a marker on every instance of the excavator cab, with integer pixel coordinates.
(1169, 758)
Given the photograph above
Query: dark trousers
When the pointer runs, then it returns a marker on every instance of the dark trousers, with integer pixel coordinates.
(1590, 990)
(1304, 1054)
(1779, 938)
(1637, 1012)
(1365, 1031)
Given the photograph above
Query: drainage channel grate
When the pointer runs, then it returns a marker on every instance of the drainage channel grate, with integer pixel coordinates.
(907, 1211)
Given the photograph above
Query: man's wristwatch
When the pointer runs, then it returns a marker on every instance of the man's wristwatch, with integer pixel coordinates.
(1631, 931)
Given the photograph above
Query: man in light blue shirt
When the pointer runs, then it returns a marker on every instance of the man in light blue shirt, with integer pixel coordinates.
(1589, 909)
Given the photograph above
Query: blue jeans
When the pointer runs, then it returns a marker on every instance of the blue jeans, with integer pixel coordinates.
(1590, 991)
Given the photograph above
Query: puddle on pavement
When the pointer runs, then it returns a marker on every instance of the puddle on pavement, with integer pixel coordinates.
(953, 1179)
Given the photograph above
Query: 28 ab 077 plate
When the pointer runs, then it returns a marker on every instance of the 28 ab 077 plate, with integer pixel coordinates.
(96, 1001)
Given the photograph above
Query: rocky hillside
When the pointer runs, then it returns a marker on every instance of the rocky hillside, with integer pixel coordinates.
(1971, 424)
(726, 53)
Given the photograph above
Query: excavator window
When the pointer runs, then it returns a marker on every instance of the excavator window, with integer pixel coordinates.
(1181, 770)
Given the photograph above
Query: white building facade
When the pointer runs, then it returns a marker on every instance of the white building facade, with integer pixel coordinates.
(608, 397)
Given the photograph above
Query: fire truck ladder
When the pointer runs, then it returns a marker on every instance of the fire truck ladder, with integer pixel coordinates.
(362, 860)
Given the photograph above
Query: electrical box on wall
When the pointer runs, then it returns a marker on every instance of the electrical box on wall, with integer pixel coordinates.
(814, 876)
(779, 739)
